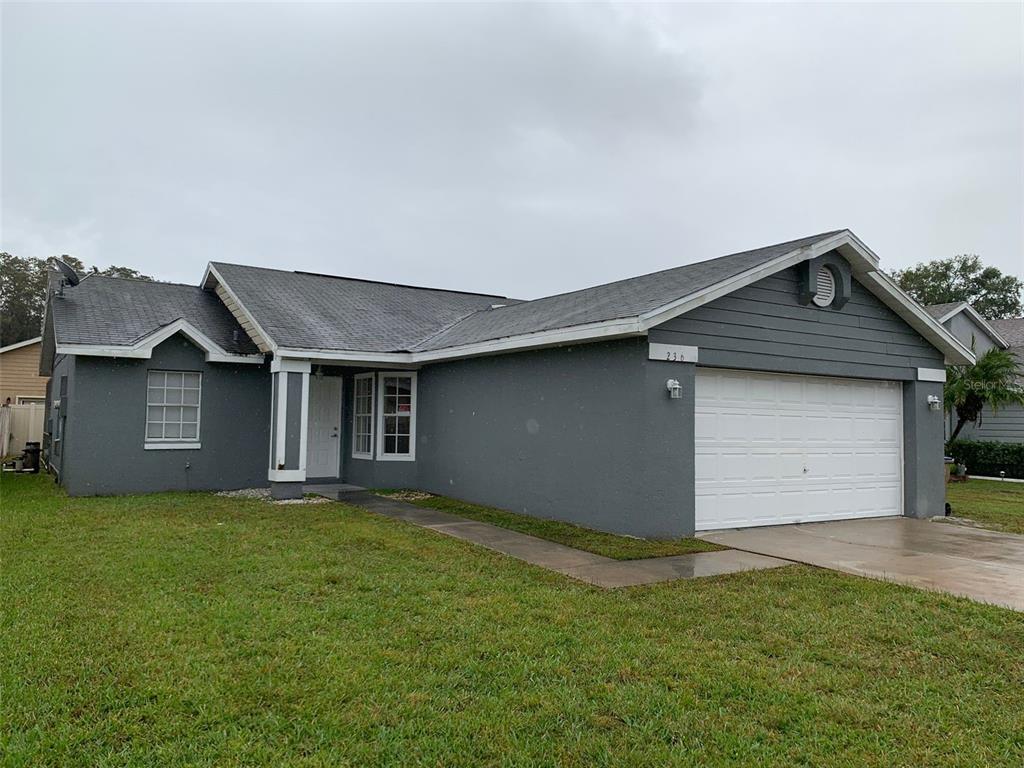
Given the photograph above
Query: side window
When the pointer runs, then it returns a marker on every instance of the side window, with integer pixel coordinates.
(396, 438)
(173, 402)
(362, 417)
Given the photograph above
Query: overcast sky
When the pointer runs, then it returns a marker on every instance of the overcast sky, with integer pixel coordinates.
(522, 150)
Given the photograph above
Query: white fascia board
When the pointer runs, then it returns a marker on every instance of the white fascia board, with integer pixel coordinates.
(20, 344)
(629, 326)
(96, 350)
(342, 356)
(980, 321)
(211, 271)
(290, 365)
(899, 302)
(852, 245)
(143, 349)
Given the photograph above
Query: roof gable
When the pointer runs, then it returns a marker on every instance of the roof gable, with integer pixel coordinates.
(628, 298)
(946, 315)
(20, 344)
(122, 317)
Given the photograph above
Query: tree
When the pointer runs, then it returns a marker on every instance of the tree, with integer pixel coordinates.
(963, 278)
(23, 293)
(995, 380)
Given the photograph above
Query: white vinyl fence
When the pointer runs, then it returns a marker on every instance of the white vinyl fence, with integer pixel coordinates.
(20, 424)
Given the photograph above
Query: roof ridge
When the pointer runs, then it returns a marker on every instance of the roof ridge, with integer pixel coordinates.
(139, 280)
(679, 266)
(365, 280)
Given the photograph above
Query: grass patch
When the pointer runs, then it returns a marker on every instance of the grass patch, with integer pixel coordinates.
(189, 629)
(992, 503)
(576, 536)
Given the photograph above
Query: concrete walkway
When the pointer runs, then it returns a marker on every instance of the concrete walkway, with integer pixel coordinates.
(986, 566)
(583, 566)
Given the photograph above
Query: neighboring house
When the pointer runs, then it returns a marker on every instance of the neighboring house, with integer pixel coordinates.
(1005, 425)
(789, 383)
(19, 373)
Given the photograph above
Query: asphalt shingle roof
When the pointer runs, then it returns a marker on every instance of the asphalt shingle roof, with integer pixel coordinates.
(1011, 329)
(938, 310)
(307, 311)
(623, 298)
(118, 311)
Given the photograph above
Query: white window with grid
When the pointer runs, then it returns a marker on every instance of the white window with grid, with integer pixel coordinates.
(396, 424)
(362, 417)
(172, 409)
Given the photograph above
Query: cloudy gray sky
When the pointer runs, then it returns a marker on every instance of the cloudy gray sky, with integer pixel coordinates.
(519, 149)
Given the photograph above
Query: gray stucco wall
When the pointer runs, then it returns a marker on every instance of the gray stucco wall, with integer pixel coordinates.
(64, 366)
(585, 434)
(106, 423)
(924, 483)
(764, 327)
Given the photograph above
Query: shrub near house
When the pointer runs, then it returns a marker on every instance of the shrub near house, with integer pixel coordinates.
(988, 458)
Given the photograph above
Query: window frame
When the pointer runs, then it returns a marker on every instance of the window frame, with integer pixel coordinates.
(173, 443)
(411, 455)
(356, 454)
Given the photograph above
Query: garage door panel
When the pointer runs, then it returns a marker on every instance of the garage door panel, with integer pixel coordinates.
(797, 448)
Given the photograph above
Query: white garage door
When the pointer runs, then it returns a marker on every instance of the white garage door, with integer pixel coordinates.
(774, 449)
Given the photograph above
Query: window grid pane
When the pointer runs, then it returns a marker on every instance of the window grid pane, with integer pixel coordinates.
(397, 412)
(363, 416)
(173, 403)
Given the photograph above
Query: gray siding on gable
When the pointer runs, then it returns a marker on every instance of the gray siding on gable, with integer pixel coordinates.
(1005, 426)
(970, 334)
(764, 327)
(106, 424)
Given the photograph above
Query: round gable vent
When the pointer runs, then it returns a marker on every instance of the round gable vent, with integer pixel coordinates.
(826, 287)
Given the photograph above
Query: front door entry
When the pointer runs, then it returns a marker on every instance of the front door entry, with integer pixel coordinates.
(323, 438)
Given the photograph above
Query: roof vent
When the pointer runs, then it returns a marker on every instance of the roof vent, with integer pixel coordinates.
(826, 287)
(498, 306)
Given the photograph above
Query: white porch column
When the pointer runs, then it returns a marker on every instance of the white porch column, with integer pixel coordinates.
(289, 418)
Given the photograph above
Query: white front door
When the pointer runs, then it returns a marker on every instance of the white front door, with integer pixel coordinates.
(323, 440)
(774, 449)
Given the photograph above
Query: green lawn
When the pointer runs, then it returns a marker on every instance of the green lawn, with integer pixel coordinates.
(598, 542)
(190, 629)
(992, 503)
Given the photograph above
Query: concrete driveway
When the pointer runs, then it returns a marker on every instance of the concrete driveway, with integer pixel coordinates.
(983, 565)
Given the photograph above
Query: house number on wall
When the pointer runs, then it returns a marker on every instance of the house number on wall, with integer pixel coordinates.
(673, 353)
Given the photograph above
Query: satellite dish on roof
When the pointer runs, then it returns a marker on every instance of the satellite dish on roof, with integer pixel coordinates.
(70, 276)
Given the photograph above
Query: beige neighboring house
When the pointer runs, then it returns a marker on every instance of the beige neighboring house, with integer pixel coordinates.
(19, 373)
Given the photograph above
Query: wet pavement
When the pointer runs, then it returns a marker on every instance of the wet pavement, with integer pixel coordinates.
(986, 566)
(575, 563)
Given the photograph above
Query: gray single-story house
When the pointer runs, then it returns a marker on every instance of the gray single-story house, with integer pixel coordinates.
(789, 383)
(961, 319)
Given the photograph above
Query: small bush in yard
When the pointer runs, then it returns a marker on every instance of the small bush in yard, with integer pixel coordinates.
(988, 458)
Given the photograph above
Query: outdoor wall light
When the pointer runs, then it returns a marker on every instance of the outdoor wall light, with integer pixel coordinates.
(934, 403)
(675, 389)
